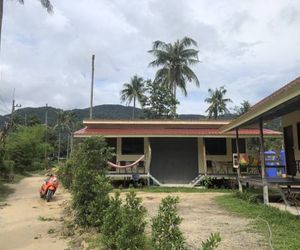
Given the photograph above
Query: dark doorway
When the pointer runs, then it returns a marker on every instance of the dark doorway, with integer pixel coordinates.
(291, 167)
(174, 160)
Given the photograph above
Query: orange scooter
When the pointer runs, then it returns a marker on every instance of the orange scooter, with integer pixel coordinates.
(48, 188)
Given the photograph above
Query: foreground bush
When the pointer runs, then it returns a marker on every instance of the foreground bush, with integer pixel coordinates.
(166, 234)
(90, 185)
(131, 234)
(212, 242)
(112, 222)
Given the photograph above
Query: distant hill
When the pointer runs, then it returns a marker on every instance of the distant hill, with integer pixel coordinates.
(115, 112)
(107, 111)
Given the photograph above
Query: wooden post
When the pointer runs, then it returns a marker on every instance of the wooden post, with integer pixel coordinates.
(263, 165)
(92, 87)
(46, 137)
(238, 155)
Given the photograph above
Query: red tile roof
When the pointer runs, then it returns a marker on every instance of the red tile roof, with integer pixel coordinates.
(166, 132)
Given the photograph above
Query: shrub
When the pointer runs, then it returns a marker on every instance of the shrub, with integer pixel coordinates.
(212, 242)
(25, 146)
(131, 234)
(207, 182)
(166, 234)
(90, 185)
(112, 222)
(65, 173)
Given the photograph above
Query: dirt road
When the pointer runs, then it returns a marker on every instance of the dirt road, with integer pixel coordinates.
(23, 225)
(28, 222)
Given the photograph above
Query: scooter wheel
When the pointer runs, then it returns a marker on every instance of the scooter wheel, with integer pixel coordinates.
(49, 195)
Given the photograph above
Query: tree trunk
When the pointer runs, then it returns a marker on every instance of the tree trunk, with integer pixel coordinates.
(215, 115)
(174, 95)
(133, 108)
(1, 19)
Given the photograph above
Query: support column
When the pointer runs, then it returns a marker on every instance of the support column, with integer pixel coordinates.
(263, 165)
(238, 155)
(202, 169)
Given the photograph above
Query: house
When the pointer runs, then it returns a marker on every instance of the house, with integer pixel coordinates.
(285, 105)
(170, 151)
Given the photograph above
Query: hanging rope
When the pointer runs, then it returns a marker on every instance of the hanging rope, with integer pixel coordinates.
(126, 166)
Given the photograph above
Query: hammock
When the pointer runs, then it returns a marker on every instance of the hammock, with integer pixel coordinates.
(126, 166)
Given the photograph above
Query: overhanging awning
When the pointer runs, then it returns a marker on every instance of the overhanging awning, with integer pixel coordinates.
(281, 102)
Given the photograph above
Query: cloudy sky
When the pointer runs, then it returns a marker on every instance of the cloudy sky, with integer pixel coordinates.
(251, 47)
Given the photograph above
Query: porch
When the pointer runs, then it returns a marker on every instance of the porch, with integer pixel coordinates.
(283, 104)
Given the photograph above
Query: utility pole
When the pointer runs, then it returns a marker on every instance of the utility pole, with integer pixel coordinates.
(92, 86)
(46, 136)
(14, 106)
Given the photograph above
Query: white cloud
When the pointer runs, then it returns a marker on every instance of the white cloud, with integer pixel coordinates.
(251, 47)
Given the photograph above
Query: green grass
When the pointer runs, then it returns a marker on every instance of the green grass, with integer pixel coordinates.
(152, 189)
(285, 227)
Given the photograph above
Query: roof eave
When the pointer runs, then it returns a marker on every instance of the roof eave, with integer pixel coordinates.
(261, 109)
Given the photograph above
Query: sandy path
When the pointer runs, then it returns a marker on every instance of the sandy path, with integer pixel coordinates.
(202, 216)
(20, 227)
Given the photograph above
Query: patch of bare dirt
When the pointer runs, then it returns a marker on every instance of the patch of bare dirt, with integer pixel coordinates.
(28, 222)
(202, 216)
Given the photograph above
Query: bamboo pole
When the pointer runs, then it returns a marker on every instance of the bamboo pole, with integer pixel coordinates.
(263, 163)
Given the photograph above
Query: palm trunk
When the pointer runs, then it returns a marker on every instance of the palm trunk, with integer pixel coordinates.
(133, 108)
(174, 95)
(1, 19)
(215, 115)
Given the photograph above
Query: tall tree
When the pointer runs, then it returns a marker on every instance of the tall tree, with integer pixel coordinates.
(243, 108)
(218, 102)
(133, 91)
(45, 3)
(174, 61)
(159, 102)
(65, 123)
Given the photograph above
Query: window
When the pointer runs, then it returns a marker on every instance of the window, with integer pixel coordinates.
(132, 146)
(215, 146)
(111, 142)
(242, 146)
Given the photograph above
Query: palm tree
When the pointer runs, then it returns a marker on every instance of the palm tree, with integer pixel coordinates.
(174, 60)
(244, 108)
(217, 102)
(65, 122)
(45, 3)
(133, 91)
